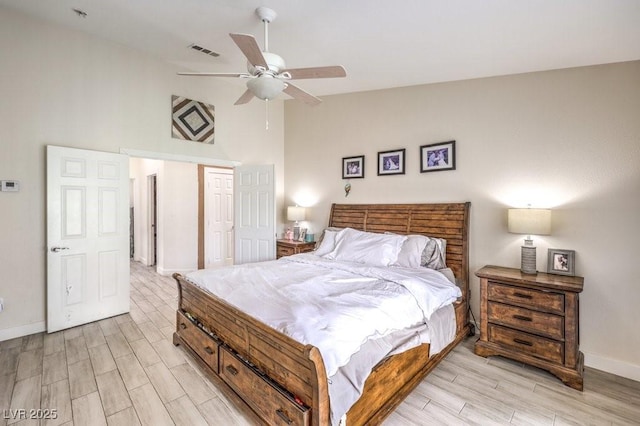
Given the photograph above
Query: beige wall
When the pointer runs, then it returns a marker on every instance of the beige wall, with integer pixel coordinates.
(61, 87)
(567, 139)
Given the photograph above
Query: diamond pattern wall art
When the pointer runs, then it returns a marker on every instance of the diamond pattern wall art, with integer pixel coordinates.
(192, 120)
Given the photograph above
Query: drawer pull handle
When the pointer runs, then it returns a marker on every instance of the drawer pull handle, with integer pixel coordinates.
(522, 318)
(208, 350)
(283, 416)
(232, 370)
(522, 295)
(183, 326)
(523, 342)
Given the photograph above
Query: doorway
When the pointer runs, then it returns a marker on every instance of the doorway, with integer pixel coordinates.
(178, 241)
(152, 211)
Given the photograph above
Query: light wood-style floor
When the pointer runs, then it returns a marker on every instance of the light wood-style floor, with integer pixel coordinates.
(125, 371)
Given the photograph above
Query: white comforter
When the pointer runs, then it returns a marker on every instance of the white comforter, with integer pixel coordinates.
(335, 306)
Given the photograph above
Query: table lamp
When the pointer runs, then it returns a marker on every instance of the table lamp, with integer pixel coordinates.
(295, 213)
(531, 222)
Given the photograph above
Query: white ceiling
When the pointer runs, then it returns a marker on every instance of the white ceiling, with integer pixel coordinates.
(381, 44)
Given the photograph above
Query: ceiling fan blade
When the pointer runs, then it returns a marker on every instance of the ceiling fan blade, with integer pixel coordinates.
(317, 72)
(247, 43)
(246, 97)
(215, 74)
(301, 95)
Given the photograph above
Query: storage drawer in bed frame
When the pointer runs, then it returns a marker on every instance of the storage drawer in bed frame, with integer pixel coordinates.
(202, 343)
(269, 400)
(275, 405)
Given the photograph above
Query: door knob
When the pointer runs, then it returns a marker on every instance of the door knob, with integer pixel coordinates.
(57, 249)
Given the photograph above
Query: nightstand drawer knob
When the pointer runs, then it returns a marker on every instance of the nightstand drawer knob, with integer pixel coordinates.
(523, 342)
(523, 295)
(522, 318)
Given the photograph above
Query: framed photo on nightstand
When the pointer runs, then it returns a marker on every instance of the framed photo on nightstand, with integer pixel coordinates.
(561, 262)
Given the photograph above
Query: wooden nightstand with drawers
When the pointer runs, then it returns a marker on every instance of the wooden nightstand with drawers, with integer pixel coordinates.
(289, 247)
(533, 319)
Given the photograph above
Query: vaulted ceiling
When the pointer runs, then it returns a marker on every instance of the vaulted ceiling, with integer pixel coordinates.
(381, 44)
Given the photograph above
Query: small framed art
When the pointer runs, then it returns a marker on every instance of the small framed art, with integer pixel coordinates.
(391, 162)
(561, 262)
(438, 156)
(353, 167)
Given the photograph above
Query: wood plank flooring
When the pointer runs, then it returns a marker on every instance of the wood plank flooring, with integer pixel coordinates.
(125, 371)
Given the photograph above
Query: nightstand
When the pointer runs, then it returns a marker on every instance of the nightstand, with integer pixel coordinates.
(289, 247)
(532, 319)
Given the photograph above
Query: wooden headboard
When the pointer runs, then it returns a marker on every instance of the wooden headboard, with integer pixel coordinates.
(448, 220)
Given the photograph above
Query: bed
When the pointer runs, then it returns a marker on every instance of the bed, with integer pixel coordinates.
(276, 379)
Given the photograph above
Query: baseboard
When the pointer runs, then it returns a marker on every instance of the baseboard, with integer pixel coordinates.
(23, 330)
(613, 366)
(169, 272)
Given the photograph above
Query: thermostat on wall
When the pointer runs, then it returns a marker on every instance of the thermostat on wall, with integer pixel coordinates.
(10, 186)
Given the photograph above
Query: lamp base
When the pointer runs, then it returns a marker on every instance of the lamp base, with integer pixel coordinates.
(528, 260)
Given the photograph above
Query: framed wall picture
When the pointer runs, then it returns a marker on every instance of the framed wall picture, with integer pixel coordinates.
(353, 167)
(391, 162)
(438, 156)
(192, 120)
(561, 262)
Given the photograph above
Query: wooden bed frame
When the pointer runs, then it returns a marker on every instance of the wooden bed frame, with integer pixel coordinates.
(277, 380)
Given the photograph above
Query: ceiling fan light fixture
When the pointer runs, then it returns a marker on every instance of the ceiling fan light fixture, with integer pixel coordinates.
(267, 73)
(265, 87)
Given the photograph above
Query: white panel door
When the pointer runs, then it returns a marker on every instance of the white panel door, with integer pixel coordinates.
(255, 213)
(87, 236)
(218, 217)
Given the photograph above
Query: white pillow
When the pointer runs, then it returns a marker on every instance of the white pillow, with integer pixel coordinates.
(410, 255)
(434, 255)
(367, 247)
(327, 243)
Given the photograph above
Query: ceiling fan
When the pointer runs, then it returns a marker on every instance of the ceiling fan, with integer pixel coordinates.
(267, 73)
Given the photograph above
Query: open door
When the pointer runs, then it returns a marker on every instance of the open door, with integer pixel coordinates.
(87, 236)
(255, 213)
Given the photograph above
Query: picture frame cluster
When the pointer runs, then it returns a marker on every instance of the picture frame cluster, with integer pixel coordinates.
(434, 157)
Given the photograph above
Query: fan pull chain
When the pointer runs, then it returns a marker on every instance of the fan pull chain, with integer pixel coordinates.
(266, 113)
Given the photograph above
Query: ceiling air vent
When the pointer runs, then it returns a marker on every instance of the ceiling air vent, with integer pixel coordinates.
(204, 50)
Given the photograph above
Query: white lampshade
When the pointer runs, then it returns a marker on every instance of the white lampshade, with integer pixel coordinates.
(295, 213)
(530, 221)
(265, 87)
